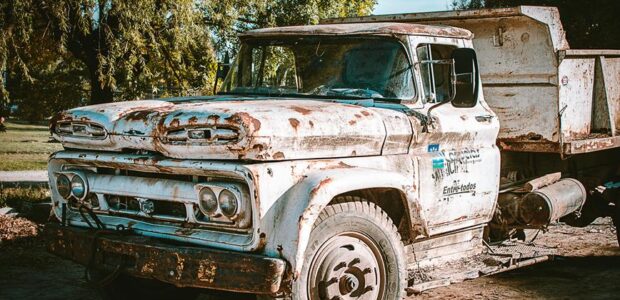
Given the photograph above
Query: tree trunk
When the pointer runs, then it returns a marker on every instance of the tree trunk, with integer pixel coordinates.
(98, 93)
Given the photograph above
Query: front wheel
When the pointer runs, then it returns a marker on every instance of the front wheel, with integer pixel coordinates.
(616, 220)
(354, 252)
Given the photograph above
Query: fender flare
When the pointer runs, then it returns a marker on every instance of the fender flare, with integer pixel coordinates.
(303, 203)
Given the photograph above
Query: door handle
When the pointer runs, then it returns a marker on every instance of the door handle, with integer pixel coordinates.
(485, 118)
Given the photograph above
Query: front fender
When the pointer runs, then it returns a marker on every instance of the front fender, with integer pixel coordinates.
(294, 214)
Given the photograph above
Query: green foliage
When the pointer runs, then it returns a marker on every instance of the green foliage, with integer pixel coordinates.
(227, 18)
(57, 54)
(590, 24)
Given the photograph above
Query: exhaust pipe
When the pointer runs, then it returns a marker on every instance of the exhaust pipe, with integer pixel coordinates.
(541, 206)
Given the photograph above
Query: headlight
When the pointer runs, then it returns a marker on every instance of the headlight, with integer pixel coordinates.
(63, 184)
(207, 201)
(78, 187)
(228, 203)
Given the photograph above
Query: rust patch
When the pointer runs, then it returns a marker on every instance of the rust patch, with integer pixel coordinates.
(245, 118)
(213, 118)
(301, 110)
(206, 271)
(311, 123)
(365, 113)
(358, 116)
(352, 122)
(321, 184)
(340, 165)
(278, 155)
(141, 115)
(294, 122)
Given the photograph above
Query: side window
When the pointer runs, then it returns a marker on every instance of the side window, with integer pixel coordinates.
(436, 76)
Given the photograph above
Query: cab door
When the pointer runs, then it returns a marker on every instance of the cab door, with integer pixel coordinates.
(458, 161)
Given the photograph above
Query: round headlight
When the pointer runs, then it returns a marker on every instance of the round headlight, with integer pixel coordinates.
(207, 201)
(228, 203)
(63, 184)
(78, 187)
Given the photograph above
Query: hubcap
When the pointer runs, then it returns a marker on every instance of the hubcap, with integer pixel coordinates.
(347, 266)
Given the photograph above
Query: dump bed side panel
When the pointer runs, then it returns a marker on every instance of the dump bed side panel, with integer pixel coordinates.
(519, 74)
(589, 100)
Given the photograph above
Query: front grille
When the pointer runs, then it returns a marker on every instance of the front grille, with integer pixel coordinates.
(159, 197)
(81, 130)
(214, 134)
(120, 172)
(133, 206)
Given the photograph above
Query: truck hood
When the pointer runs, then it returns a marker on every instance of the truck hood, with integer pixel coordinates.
(226, 128)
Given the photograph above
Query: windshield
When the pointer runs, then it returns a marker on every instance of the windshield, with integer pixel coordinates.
(325, 66)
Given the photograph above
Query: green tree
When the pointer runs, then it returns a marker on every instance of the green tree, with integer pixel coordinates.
(590, 24)
(109, 49)
(126, 47)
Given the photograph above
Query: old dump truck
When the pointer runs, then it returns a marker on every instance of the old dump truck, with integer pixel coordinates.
(356, 159)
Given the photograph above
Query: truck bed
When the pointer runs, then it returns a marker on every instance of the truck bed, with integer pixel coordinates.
(548, 97)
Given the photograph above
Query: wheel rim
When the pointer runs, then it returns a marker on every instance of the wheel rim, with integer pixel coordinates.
(347, 266)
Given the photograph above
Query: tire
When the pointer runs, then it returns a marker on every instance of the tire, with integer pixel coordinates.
(351, 241)
(128, 287)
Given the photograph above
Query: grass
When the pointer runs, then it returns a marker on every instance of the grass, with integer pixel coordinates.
(25, 147)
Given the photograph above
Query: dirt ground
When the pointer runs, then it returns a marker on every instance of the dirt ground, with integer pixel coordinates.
(588, 268)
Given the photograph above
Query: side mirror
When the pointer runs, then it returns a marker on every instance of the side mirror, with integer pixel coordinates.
(465, 82)
(222, 70)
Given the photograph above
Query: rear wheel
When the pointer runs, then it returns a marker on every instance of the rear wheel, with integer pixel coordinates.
(354, 252)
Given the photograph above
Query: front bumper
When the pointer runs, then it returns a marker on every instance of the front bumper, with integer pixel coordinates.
(181, 266)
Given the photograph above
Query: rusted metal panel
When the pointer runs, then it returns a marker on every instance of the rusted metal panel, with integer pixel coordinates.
(361, 29)
(180, 266)
(591, 145)
(610, 67)
(576, 92)
(592, 52)
(521, 114)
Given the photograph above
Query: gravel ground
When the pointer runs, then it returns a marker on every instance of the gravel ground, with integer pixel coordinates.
(588, 268)
(23, 176)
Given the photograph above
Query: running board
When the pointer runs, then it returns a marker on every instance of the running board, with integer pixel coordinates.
(508, 255)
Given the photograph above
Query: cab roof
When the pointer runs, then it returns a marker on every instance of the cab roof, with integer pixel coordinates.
(383, 28)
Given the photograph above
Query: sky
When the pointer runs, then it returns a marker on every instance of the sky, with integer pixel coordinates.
(406, 6)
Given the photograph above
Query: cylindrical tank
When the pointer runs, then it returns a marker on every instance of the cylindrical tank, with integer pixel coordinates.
(540, 207)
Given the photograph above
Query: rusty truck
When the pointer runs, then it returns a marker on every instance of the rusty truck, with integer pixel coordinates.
(360, 158)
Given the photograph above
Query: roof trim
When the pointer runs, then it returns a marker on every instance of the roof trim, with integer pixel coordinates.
(382, 28)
